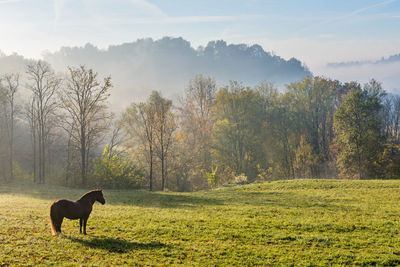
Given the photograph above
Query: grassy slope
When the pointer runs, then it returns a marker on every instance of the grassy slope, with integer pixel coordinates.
(303, 222)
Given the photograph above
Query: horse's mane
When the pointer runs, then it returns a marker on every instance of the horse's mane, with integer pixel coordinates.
(89, 193)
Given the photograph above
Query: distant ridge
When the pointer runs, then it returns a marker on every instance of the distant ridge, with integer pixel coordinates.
(390, 59)
(169, 63)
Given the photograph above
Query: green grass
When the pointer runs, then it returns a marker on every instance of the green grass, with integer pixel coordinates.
(301, 222)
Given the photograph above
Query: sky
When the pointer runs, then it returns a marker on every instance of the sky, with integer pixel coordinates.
(314, 31)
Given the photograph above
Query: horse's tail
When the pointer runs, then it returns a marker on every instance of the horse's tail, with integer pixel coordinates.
(53, 219)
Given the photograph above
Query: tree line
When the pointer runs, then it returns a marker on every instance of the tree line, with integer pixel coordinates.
(64, 107)
(64, 133)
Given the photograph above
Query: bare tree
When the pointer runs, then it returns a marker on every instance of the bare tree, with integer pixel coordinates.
(138, 122)
(164, 127)
(44, 85)
(197, 120)
(30, 114)
(10, 85)
(84, 99)
(3, 133)
(150, 127)
(116, 137)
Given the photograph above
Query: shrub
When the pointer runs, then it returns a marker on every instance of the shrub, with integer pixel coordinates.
(213, 179)
(111, 171)
(241, 179)
(20, 174)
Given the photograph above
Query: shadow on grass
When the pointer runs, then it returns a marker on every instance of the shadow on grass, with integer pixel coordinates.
(140, 198)
(160, 199)
(173, 200)
(117, 245)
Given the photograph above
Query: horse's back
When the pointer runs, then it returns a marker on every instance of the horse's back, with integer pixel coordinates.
(67, 208)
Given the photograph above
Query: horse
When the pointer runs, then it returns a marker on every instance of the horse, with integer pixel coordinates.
(80, 209)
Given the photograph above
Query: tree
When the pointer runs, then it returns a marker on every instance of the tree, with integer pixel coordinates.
(359, 139)
(9, 84)
(315, 99)
(389, 161)
(151, 126)
(305, 161)
(195, 133)
(138, 121)
(164, 127)
(237, 133)
(84, 100)
(30, 113)
(281, 132)
(3, 134)
(44, 85)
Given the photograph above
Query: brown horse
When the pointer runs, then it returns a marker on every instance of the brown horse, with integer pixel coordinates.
(74, 210)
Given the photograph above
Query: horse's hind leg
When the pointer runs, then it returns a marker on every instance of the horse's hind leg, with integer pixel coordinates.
(80, 225)
(58, 225)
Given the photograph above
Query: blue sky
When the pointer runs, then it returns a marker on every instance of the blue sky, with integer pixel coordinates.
(314, 31)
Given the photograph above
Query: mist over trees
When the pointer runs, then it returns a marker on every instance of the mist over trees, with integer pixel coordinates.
(169, 63)
(385, 70)
(58, 128)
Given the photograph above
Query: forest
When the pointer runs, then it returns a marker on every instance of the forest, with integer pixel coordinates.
(64, 132)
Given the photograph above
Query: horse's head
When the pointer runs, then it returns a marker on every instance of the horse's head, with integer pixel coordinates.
(100, 197)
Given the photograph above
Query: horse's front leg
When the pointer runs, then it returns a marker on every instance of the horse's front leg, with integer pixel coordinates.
(80, 225)
(84, 225)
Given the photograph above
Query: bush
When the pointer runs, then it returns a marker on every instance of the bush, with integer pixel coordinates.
(20, 174)
(241, 179)
(111, 171)
(213, 179)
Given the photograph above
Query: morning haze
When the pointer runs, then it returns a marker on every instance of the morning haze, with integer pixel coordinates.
(245, 133)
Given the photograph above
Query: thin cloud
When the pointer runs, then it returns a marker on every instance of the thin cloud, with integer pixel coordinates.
(185, 19)
(99, 10)
(189, 19)
(9, 1)
(326, 35)
(97, 13)
(161, 20)
(58, 5)
(346, 16)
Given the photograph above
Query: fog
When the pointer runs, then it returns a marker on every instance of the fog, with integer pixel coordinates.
(168, 64)
(387, 71)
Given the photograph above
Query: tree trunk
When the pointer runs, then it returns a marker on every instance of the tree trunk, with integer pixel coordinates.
(12, 142)
(40, 157)
(162, 160)
(151, 168)
(162, 173)
(67, 172)
(83, 156)
(34, 158)
(43, 160)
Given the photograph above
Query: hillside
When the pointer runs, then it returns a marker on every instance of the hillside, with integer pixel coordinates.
(301, 222)
(169, 63)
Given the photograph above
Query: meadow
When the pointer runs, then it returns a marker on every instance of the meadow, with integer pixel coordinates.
(299, 222)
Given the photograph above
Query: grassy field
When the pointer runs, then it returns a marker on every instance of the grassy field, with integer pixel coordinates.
(302, 222)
